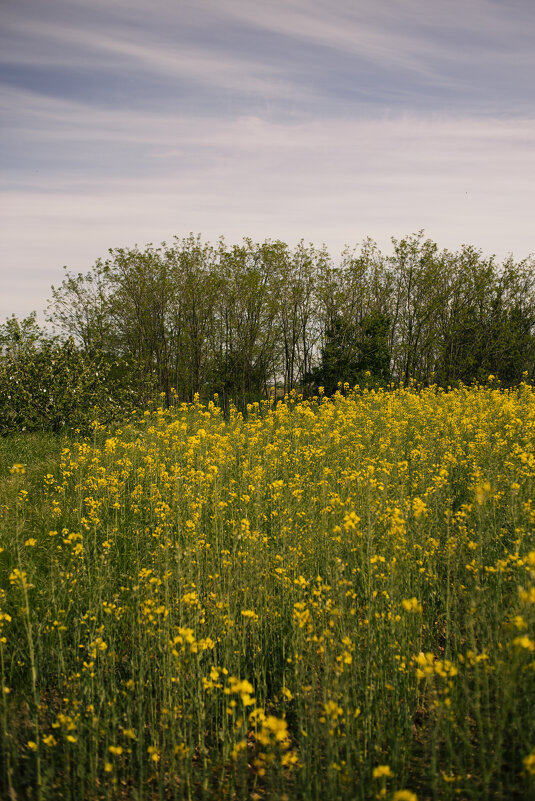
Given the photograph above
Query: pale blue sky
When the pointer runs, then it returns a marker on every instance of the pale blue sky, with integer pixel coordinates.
(330, 120)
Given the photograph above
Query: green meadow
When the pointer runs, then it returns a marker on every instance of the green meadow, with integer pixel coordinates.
(318, 599)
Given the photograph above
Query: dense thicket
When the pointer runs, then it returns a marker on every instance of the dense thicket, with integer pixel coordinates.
(47, 383)
(244, 320)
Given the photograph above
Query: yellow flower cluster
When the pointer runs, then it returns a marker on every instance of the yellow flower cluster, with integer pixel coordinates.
(315, 597)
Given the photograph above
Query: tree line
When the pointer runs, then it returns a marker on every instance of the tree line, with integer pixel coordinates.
(250, 319)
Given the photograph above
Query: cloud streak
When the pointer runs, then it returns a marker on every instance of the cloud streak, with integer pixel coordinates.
(289, 119)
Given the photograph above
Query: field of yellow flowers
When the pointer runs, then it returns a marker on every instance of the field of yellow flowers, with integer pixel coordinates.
(322, 599)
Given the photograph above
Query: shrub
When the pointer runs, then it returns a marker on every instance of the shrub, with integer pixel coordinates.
(49, 384)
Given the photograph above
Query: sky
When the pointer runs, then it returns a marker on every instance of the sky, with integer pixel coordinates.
(126, 122)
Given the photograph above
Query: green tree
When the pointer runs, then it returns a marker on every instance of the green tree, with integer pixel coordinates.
(339, 361)
(241, 319)
(245, 321)
(17, 335)
(488, 324)
(374, 350)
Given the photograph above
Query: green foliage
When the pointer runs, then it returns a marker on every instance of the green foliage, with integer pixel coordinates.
(374, 351)
(339, 356)
(245, 319)
(17, 335)
(50, 385)
(354, 354)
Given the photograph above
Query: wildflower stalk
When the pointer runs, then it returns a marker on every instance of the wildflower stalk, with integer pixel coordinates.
(5, 733)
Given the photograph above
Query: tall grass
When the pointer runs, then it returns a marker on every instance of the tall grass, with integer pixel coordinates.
(330, 599)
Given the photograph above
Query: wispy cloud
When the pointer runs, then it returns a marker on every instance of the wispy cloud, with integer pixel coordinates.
(67, 46)
(293, 118)
(398, 53)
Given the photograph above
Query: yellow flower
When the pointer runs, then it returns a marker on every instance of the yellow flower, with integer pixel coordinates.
(482, 492)
(419, 508)
(527, 596)
(30, 542)
(238, 747)
(32, 745)
(404, 795)
(524, 642)
(529, 762)
(382, 770)
(237, 686)
(17, 469)
(289, 759)
(332, 709)
(154, 753)
(19, 577)
(273, 729)
(351, 521)
(412, 605)
(115, 749)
